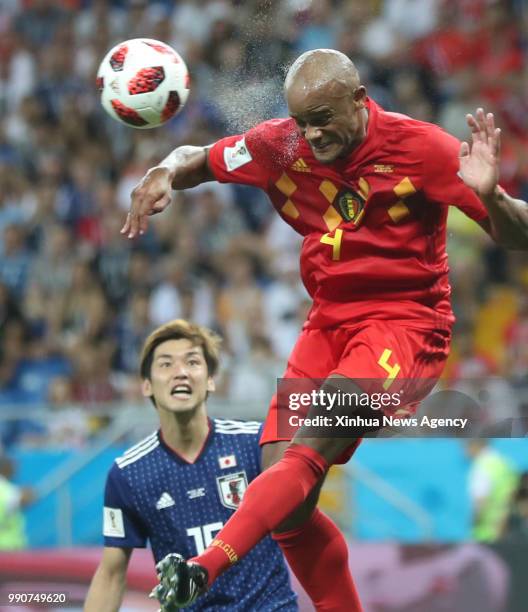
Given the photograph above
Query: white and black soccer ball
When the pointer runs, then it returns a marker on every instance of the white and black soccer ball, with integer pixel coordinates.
(143, 82)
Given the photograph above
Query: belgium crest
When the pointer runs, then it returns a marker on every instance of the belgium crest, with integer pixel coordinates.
(350, 205)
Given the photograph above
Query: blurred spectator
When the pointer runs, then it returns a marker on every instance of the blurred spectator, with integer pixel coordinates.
(447, 51)
(67, 425)
(517, 344)
(14, 260)
(461, 101)
(492, 483)
(13, 212)
(240, 302)
(469, 363)
(39, 22)
(9, 312)
(283, 298)
(409, 96)
(516, 529)
(412, 19)
(179, 294)
(254, 377)
(320, 29)
(52, 271)
(14, 336)
(13, 499)
(83, 309)
(17, 71)
(494, 317)
(112, 258)
(134, 323)
(92, 384)
(216, 222)
(139, 274)
(499, 56)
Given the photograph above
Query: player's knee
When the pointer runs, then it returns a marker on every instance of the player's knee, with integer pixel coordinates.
(273, 452)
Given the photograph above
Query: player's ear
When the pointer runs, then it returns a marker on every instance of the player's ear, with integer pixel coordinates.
(360, 96)
(146, 387)
(211, 385)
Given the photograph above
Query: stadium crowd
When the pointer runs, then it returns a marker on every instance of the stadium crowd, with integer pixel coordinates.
(77, 299)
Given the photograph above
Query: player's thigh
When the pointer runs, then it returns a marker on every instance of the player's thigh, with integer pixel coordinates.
(388, 356)
(335, 443)
(315, 354)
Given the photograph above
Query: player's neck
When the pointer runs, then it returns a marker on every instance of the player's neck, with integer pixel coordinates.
(364, 127)
(185, 433)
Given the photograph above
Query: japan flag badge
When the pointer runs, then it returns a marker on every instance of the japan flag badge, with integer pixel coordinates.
(227, 462)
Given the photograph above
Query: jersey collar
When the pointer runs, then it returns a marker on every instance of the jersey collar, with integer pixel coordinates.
(181, 458)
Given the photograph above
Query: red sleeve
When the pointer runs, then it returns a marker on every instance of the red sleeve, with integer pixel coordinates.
(231, 160)
(441, 181)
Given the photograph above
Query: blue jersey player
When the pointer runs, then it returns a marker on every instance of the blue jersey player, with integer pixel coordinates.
(177, 487)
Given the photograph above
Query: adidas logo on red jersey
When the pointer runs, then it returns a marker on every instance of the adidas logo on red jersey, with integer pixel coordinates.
(300, 165)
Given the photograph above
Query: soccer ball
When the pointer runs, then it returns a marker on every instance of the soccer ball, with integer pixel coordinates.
(143, 82)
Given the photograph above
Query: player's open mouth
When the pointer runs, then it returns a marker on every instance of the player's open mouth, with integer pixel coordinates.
(321, 147)
(181, 391)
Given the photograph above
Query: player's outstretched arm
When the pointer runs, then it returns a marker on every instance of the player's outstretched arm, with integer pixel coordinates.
(479, 169)
(108, 584)
(185, 167)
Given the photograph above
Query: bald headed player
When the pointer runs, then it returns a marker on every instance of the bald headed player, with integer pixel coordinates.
(369, 191)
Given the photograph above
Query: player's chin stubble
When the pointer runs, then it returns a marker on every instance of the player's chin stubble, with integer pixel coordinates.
(329, 156)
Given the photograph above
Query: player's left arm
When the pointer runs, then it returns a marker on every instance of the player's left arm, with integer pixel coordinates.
(507, 221)
(108, 584)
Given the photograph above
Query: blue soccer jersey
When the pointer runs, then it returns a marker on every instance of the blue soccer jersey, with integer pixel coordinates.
(154, 494)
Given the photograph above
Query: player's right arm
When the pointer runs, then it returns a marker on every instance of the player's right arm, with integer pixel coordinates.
(229, 160)
(123, 530)
(108, 584)
(185, 167)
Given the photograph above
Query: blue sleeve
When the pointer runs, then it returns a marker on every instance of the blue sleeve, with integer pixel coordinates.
(122, 525)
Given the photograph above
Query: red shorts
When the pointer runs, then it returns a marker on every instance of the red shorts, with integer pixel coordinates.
(375, 350)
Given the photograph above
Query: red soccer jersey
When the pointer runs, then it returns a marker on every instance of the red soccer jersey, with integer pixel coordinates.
(374, 223)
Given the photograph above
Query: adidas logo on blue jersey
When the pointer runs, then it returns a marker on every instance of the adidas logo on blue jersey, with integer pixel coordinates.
(165, 501)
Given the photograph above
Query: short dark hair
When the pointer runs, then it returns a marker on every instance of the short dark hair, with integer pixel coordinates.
(176, 330)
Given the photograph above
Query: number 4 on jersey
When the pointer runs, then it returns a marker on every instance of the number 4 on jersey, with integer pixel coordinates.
(334, 241)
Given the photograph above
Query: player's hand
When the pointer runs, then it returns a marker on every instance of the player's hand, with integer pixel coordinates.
(150, 196)
(479, 160)
(164, 591)
(181, 582)
(165, 599)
